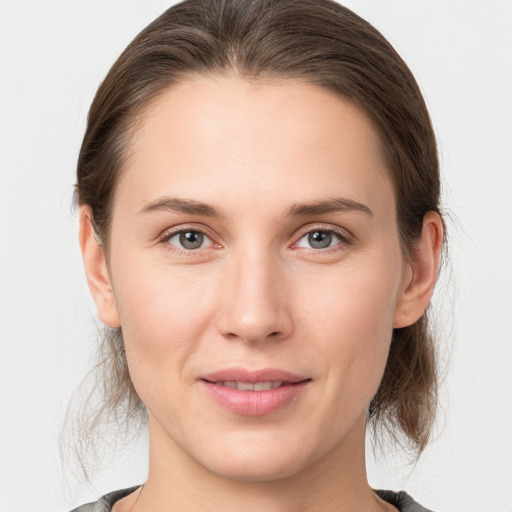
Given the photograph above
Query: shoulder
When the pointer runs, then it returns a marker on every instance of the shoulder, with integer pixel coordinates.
(105, 503)
(402, 501)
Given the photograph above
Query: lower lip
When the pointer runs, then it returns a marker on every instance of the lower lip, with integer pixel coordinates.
(254, 403)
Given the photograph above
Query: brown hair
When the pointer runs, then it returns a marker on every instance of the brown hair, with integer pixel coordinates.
(322, 43)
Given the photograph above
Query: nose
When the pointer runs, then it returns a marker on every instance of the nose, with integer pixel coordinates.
(255, 306)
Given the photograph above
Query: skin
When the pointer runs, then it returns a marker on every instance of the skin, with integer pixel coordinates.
(257, 294)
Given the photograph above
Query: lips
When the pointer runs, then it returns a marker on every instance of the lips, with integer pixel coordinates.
(253, 393)
(243, 375)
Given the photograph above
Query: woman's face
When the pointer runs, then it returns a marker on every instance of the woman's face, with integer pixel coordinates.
(254, 245)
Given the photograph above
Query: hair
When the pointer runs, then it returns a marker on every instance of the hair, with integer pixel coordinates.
(324, 44)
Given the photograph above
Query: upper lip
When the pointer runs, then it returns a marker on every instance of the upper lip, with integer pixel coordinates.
(252, 376)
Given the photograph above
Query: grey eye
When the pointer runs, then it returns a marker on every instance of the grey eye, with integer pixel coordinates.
(189, 240)
(320, 239)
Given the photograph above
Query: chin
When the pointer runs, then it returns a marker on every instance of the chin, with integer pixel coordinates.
(258, 460)
(256, 469)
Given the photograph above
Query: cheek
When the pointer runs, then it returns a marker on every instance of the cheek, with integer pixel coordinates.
(163, 314)
(352, 321)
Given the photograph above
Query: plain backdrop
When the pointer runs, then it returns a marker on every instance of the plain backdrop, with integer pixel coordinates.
(53, 55)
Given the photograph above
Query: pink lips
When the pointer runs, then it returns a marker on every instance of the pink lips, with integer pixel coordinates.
(257, 402)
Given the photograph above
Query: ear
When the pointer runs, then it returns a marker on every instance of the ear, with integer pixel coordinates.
(96, 271)
(421, 274)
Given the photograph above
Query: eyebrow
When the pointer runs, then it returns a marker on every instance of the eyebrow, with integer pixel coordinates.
(188, 206)
(333, 205)
(192, 207)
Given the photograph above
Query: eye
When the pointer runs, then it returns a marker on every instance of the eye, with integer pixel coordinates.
(320, 239)
(189, 239)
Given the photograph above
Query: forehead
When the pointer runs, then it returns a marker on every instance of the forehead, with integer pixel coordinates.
(257, 138)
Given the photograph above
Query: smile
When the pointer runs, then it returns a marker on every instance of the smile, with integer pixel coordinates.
(254, 393)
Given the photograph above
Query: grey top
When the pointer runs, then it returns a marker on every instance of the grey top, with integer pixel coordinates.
(401, 500)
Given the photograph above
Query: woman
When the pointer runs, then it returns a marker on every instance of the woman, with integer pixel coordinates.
(261, 232)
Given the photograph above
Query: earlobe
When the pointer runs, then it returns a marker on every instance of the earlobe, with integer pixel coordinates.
(420, 277)
(96, 271)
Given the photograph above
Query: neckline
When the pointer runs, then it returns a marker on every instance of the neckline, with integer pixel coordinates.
(401, 500)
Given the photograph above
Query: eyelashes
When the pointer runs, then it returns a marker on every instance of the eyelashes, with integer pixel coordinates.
(320, 239)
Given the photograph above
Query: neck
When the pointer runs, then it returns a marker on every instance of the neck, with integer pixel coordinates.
(334, 482)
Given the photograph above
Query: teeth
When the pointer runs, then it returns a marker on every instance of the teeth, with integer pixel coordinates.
(264, 386)
(250, 386)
